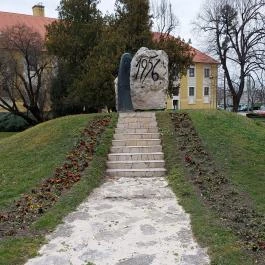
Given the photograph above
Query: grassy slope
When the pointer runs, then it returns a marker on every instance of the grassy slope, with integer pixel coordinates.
(238, 147)
(52, 141)
(223, 246)
(6, 134)
(30, 156)
(216, 135)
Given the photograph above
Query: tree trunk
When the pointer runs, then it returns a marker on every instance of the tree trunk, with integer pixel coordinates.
(37, 114)
(236, 100)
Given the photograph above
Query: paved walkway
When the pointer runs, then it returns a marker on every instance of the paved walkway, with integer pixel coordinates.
(132, 220)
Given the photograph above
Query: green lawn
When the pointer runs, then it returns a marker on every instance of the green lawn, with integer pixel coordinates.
(237, 146)
(29, 157)
(4, 135)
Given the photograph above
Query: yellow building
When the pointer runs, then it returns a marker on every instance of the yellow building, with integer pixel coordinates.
(198, 88)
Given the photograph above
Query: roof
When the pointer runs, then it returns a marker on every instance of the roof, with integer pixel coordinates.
(199, 57)
(35, 22)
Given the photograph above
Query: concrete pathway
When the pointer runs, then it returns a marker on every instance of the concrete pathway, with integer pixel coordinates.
(131, 220)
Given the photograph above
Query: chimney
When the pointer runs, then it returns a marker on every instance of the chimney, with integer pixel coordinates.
(38, 10)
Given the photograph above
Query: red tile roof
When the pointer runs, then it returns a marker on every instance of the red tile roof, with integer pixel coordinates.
(36, 23)
(199, 56)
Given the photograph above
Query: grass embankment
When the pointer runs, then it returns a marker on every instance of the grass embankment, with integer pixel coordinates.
(29, 158)
(32, 155)
(225, 246)
(4, 135)
(238, 147)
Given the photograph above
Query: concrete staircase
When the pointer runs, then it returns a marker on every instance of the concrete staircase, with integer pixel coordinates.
(136, 149)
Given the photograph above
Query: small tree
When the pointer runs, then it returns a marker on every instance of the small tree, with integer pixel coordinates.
(261, 95)
(261, 86)
(256, 90)
(25, 73)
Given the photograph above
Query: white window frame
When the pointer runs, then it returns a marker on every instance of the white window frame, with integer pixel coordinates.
(207, 70)
(192, 98)
(208, 94)
(189, 71)
(206, 98)
(193, 91)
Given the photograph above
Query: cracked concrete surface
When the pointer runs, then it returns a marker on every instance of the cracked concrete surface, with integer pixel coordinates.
(127, 221)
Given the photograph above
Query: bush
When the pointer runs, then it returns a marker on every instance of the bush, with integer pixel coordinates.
(12, 123)
(65, 109)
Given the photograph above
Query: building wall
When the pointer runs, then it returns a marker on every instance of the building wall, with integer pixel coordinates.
(199, 82)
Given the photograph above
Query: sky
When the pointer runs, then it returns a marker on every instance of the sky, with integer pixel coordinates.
(185, 10)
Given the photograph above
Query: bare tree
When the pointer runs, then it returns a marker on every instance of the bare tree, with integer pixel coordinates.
(164, 20)
(180, 53)
(260, 95)
(25, 73)
(236, 33)
(252, 91)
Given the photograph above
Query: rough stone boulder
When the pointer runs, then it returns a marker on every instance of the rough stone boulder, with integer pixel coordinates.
(149, 79)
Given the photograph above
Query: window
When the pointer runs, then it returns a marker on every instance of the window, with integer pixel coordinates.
(191, 98)
(175, 104)
(191, 72)
(206, 72)
(206, 91)
(175, 91)
(191, 91)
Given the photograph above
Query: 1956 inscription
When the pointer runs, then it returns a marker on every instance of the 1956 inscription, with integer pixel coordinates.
(146, 67)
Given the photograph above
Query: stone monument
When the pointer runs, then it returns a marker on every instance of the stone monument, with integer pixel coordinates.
(149, 79)
(123, 99)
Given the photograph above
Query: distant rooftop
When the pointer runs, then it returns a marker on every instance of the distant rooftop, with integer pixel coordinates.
(199, 56)
(37, 23)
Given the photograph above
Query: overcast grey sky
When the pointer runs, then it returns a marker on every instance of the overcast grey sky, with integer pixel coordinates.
(185, 10)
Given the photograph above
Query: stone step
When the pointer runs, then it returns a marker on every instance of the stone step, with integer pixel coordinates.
(136, 149)
(123, 136)
(136, 114)
(137, 125)
(135, 156)
(138, 164)
(136, 142)
(136, 130)
(128, 120)
(147, 173)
